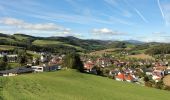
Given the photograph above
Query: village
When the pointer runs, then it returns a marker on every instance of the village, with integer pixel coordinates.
(135, 71)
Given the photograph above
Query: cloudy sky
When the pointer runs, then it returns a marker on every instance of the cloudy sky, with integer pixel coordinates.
(145, 20)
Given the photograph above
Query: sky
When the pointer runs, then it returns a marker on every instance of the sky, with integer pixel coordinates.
(144, 20)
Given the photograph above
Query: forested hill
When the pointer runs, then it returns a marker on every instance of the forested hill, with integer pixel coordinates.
(55, 43)
(70, 43)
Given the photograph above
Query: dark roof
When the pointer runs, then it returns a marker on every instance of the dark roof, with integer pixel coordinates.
(147, 69)
(18, 70)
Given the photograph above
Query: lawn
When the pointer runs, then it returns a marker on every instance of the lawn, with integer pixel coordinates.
(71, 85)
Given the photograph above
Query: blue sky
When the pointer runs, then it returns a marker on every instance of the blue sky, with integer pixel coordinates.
(145, 20)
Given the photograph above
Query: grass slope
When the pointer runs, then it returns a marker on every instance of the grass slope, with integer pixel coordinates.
(71, 85)
(51, 42)
(6, 47)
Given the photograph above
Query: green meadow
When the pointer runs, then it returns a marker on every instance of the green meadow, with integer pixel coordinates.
(51, 42)
(72, 85)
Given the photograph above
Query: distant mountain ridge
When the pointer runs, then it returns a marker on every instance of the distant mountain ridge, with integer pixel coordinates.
(134, 41)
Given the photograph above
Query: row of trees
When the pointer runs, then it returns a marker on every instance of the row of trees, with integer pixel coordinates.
(160, 49)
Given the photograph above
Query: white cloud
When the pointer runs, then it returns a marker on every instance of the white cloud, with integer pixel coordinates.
(137, 11)
(111, 2)
(11, 21)
(106, 31)
(29, 26)
(13, 25)
(140, 15)
(166, 13)
(162, 13)
(159, 33)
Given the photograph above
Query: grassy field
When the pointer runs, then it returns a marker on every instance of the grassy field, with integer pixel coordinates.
(6, 47)
(141, 56)
(71, 85)
(8, 39)
(20, 37)
(33, 54)
(48, 42)
(100, 52)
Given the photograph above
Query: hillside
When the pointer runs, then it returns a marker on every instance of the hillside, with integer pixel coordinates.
(70, 43)
(71, 85)
(66, 43)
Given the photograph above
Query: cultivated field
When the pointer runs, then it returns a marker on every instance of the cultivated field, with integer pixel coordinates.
(71, 85)
(141, 56)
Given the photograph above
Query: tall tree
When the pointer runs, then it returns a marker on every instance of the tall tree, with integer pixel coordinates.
(3, 65)
(73, 61)
(5, 58)
(22, 57)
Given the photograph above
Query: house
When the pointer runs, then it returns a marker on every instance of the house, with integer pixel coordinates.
(56, 61)
(88, 65)
(45, 68)
(52, 68)
(43, 58)
(157, 75)
(10, 57)
(104, 62)
(120, 76)
(128, 78)
(167, 71)
(148, 71)
(16, 71)
(37, 68)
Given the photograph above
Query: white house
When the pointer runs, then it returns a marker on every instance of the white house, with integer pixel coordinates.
(37, 68)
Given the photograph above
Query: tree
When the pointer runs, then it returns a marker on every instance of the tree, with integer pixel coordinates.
(5, 59)
(3, 65)
(73, 61)
(22, 57)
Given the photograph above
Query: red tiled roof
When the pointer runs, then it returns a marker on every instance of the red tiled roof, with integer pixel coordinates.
(121, 76)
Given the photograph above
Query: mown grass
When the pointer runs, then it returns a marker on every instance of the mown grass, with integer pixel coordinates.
(72, 85)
